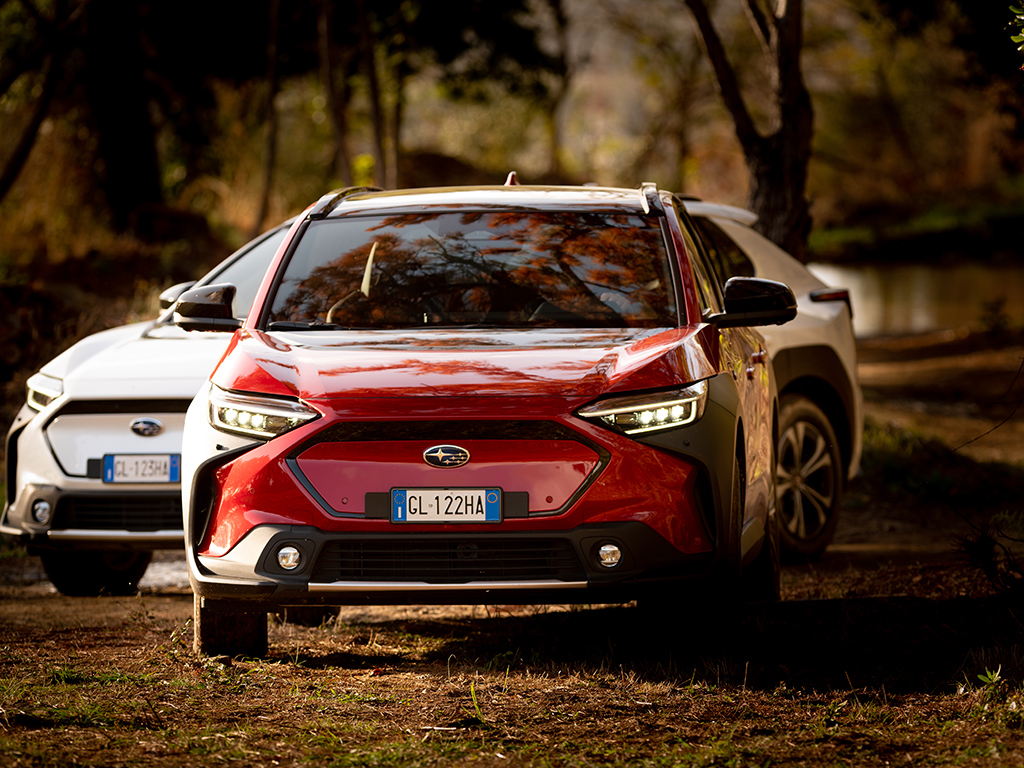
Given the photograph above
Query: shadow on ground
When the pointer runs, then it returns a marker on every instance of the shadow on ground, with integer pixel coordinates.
(897, 644)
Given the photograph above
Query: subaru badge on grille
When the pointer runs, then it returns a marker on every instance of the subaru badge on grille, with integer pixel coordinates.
(147, 427)
(446, 456)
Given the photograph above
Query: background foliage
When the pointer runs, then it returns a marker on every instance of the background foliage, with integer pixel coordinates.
(140, 142)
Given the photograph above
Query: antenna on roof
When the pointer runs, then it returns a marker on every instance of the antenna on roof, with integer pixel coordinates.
(512, 180)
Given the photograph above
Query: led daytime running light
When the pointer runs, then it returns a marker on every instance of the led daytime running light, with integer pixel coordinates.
(43, 390)
(262, 417)
(649, 413)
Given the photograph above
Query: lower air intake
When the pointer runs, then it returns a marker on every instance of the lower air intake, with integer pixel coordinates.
(460, 561)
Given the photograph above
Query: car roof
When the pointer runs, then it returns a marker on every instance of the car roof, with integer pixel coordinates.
(536, 197)
(528, 197)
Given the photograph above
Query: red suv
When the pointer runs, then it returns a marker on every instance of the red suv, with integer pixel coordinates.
(499, 394)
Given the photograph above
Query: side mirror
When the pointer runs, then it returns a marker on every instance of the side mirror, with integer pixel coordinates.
(751, 301)
(172, 294)
(207, 309)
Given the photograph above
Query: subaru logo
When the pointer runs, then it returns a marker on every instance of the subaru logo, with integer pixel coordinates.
(147, 427)
(446, 456)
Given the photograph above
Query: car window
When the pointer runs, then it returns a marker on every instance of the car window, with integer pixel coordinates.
(709, 294)
(501, 268)
(246, 271)
(727, 258)
(708, 290)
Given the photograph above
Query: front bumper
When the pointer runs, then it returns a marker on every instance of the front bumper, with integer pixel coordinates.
(453, 568)
(85, 512)
(663, 501)
(95, 519)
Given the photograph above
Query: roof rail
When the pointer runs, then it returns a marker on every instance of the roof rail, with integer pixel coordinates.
(330, 201)
(650, 199)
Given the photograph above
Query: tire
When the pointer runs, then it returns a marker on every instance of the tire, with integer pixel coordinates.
(92, 573)
(227, 629)
(809, 479)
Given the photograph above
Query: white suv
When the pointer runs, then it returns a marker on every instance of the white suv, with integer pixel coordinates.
(92, 480)
(815, 361)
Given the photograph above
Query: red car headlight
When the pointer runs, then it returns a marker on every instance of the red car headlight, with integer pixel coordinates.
(255, 415)
(636, 414)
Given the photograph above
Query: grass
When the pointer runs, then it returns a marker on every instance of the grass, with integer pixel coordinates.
(804, 684)
(903, 465)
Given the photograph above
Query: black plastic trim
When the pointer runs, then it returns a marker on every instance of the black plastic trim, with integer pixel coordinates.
(648, 561)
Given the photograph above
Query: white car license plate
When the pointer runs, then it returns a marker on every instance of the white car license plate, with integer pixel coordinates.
(142, 468)
(446, 505)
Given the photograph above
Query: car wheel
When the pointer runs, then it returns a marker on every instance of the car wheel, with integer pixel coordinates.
(221, 628)
(91, 573)
(809, 478)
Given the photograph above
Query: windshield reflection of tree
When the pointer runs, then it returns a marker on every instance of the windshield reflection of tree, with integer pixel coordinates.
(507, 269)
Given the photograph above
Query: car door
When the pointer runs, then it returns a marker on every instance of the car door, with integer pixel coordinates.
(745, 359)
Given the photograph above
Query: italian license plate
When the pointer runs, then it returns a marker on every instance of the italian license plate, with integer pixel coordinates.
(446, 505)
(142, 468)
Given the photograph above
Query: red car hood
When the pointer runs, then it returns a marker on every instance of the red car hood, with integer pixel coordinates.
(577, 363)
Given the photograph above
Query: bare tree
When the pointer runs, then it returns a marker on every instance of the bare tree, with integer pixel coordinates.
(368, 55)
(777, 158)
(675, 61)
(337, 88)
(44, 54)
(270, 147)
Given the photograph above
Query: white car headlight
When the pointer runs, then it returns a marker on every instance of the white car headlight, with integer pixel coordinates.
(43, 390)
(254, 415)
(636, 414)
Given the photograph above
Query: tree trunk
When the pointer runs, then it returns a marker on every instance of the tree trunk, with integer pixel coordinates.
(119, 105)
(369, 59)
(397, 115)
(558, 94)
(337, 93)
(23, 148)
(270, 147)
(777, 161)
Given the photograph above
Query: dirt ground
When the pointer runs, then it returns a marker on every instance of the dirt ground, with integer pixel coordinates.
(892, 648)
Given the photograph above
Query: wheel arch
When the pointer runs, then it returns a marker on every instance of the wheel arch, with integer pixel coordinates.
(811, 372)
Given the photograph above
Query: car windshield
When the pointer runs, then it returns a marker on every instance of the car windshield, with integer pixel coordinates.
(506, 269)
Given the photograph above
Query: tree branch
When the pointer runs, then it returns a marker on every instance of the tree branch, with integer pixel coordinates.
(762, 28)
(43, 46)
(23, 149)
(728, 83)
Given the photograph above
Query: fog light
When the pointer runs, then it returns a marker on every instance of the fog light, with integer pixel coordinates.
(41, 511)
(609, 556)
(289, 558)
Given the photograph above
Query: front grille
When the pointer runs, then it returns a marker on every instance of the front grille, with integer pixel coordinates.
(122, 405)
(444, 431)
(149, 512)
(448, 561)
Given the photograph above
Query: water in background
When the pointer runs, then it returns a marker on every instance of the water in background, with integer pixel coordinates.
(919, 298)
